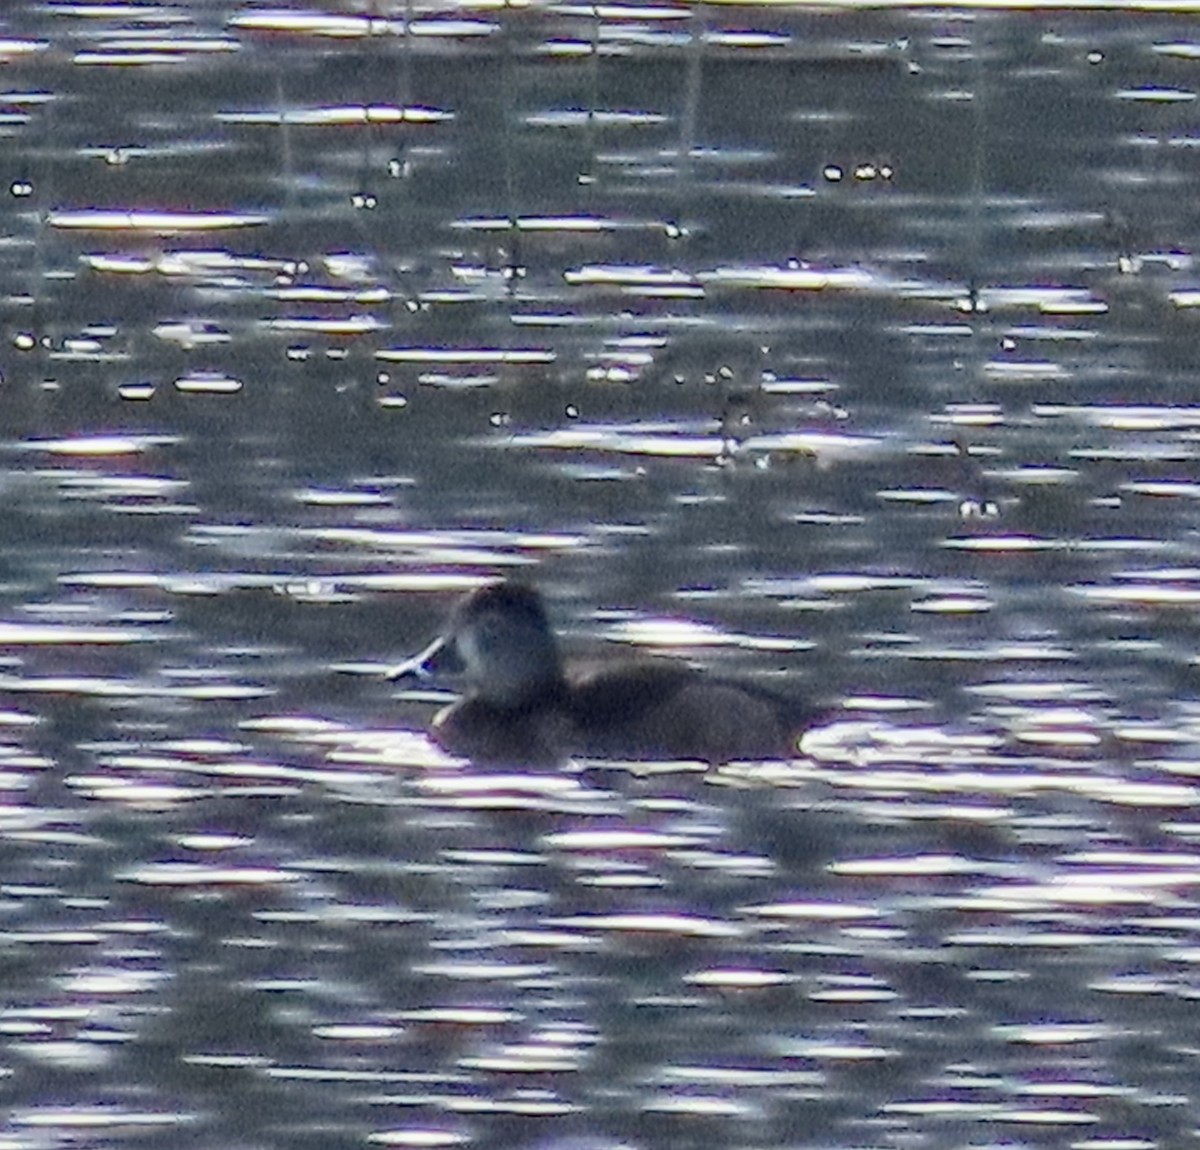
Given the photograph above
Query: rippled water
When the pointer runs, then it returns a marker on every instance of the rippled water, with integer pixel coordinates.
(850, 351)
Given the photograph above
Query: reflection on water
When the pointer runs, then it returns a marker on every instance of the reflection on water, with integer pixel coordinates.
(847, 351)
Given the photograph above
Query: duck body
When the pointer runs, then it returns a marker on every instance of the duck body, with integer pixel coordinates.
(661, 710)
(523, 705)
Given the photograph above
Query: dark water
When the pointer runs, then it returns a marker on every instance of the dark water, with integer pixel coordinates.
(849, 351)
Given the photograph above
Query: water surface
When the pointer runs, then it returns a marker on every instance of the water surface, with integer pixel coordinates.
(850, 351)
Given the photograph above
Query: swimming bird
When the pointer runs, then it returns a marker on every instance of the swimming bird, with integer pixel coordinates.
(523, 704)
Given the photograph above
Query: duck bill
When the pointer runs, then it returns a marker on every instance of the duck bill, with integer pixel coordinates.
(422, 665)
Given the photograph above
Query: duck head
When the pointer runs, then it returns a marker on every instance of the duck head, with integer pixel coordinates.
(500, 638)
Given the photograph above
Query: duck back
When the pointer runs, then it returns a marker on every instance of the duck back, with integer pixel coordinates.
(662, 710)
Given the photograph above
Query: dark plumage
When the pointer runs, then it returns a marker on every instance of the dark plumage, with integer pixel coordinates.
(523, 705)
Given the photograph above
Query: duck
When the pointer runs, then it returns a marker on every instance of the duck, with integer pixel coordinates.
(524, 704)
